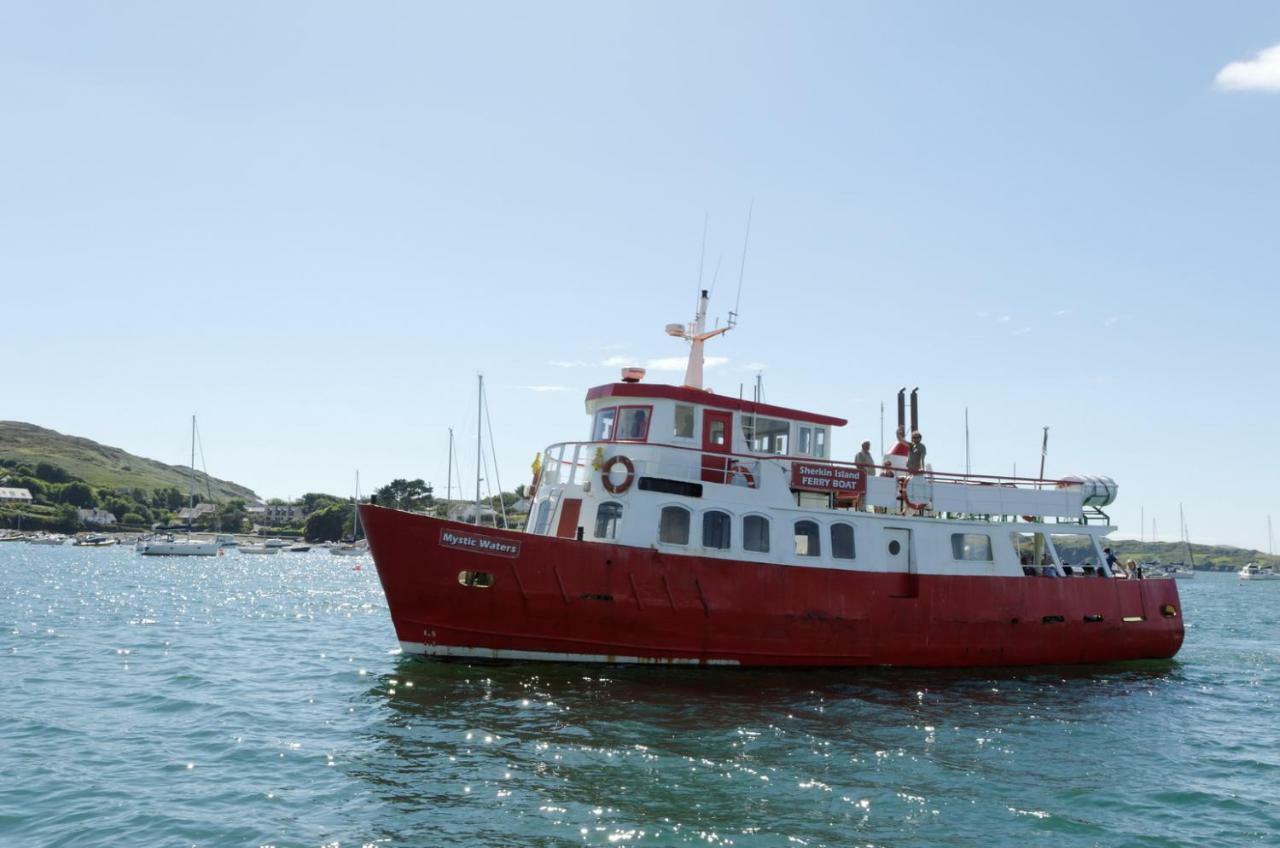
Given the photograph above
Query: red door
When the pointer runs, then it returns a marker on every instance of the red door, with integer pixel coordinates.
(717, 441)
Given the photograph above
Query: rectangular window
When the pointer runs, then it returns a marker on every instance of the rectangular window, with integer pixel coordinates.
(974, 547)
(602, 430)
(673, 525)
(842, 541)
(670, 487)
(684, 422)
(1076, 550)
(608, 517)
(755, 534)
(633, 423)
(807, 541)
(820, 442)
(766, 435)
(716, 529)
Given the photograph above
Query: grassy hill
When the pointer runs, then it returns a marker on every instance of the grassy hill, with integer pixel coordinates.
(1214, 557)
(101, 466)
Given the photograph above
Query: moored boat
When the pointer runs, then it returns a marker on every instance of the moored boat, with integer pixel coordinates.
(257, 549)
(1256, 572)
(703, 529)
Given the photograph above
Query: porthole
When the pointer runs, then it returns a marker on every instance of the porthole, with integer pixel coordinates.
(478, 579)
(894, 548)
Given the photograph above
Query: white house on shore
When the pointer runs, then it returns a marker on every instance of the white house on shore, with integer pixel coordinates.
(11, 495)
(96, 517)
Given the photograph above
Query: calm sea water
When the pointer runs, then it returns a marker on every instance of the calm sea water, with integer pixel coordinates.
(262, 701)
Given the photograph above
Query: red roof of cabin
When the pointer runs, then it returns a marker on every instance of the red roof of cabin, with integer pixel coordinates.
(706, 398)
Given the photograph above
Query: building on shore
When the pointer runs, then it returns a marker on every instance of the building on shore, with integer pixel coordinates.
(96, 517)
(12, 495)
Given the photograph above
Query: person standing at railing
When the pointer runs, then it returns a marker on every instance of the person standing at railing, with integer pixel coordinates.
(915, 453)
(866, 465)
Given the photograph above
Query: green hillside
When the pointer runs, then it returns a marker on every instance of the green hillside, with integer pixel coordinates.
(1214, 557)
(101, 466)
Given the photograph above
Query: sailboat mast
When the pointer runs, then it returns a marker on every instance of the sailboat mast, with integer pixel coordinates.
(448, 487)
(355, 510)
(191, 486)
(479, 455)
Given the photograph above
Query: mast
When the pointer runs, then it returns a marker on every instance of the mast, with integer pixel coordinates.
(355, 510)
(448, 487)
(479, 445)
(191, 488)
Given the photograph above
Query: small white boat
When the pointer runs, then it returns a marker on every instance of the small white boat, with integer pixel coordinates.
(257, 549)
(1253, 571)
(298, 549)
(95, 540)
(276, 543)
(225, 540)
(177, 547)
(53, 539)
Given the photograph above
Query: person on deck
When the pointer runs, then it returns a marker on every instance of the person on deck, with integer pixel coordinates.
(1112, 563)
(915, 457)
(866, 464)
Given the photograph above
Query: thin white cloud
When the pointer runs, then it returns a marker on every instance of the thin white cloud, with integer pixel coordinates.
(617, 361)
(1022, 332)
(544, 388)
(755, 366)
(1110, 321)
(1062, 313)
(1261, 73)
(569, 363)
(1004, 319)
(678, 363)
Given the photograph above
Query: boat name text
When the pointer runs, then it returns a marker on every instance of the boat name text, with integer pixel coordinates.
(479, 544)
(820, 477)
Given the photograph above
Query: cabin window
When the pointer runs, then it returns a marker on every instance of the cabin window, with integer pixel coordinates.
(811, 441)
(608, 517)
(633, 423)
(673, 526)
(807, 543)
(1076, 550)
(842, 541)
(715, 433)
(716, 529)
(755, 534)
(684, 422)
(766, 435)
(602, 430)
(543, 517)
(971, 546)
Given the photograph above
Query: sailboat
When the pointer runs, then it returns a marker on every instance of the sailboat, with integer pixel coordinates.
(188, 546)
(353, 547)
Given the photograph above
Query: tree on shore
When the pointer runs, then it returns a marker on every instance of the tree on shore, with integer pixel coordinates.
(327, 523)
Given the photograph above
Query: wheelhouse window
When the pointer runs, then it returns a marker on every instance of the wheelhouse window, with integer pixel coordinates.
(807, 540)
(1076, 550)
(842, 541)
(811, 441)
(543, 517)
(684, 422)
(673, 525)
(755, 533)
(633, 423)
(973, 547)
(602, 429)
(608, 519)
(716, 529)
(766, 435)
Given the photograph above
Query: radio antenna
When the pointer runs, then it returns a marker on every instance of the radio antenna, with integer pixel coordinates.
(742, 269)
(702, 255)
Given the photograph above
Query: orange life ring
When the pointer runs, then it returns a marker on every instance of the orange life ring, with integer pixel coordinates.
(739, 468)
(608, 467)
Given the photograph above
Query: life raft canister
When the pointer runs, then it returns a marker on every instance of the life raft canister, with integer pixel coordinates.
(607, 467)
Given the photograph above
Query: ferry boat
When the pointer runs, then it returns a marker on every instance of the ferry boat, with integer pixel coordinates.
(697, 528)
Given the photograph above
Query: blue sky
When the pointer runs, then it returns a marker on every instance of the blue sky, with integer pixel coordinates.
(313, 223)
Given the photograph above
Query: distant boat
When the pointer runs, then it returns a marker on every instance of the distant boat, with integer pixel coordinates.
(276, 543)
(95, 540)
(298, 549)
(258, 549)
(1253, 571)
(351, 547)
(52, 539)
(188, 546)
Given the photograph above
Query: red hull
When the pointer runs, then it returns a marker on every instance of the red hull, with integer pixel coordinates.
(564, 599)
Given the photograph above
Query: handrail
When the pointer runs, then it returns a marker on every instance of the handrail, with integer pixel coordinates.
(947, 476)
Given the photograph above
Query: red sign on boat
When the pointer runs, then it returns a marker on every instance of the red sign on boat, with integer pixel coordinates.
(479, 544)
(821, 477)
